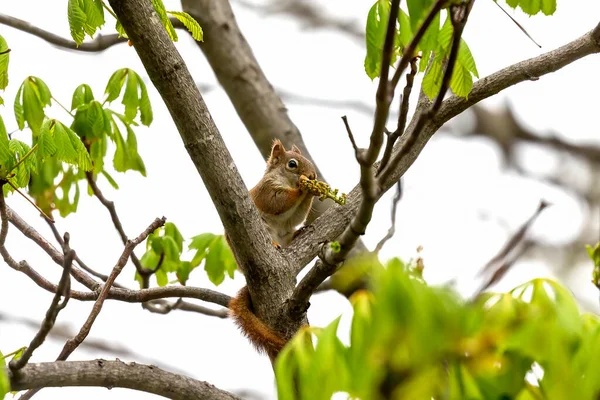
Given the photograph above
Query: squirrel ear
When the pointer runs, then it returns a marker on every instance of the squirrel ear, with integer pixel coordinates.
(296, 150)
(277, 150)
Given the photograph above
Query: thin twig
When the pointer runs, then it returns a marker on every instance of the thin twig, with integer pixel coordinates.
(518, 24)
(402, 116)
(72, 344)
(31, 202)
(459, 15)
(392, 229)
(513, 242)
(78, 260)
(351, 137)
(409, 51)
(371, 188)
(63, 289)
(145, 273)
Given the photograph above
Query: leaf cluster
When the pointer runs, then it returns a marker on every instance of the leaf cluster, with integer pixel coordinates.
(434, 47)
(412, 341)
(164, 250)
(86, 17)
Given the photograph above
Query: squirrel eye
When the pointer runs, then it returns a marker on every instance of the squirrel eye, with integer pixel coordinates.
(292, 164)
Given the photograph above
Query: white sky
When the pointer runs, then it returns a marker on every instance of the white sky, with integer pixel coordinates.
(445, 191)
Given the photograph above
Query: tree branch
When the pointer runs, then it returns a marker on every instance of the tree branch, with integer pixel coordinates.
(109, 374)
(333, 222)
(72, 344)
(100, 43)
(145, 273)
(245, 229)
(56, 305)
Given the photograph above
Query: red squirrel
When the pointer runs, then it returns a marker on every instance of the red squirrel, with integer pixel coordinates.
(283, 206)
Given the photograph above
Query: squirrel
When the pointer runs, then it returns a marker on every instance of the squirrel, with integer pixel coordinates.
(283, 206)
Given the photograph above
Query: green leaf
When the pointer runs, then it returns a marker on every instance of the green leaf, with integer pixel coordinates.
(164, 18)
(533, 7)
(433, 79)
(172, 231)
(94, 13)
(126, 156)
(77, 19)
(82, 95)
(417, 10)
(115, 84)
(5, 154)
(110, 179)
(214, 267)
(461, 82)
(375, 36)
(23, 171)
(4, 58)
(4, 381)
(36, 96)
(130, 97)
(465, 58)
(145, 107)
(69, 147)
(405, 33)
(46, 145)
(190, 23)
(120, 30)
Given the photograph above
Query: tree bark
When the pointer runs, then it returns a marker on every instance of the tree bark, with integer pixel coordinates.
(110, 374)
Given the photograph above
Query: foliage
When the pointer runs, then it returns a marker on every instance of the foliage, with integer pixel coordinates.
(86, 17)
(409, 340)
(164, 249)
(434, 47)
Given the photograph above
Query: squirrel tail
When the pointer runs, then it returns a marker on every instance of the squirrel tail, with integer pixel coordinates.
(260, 335)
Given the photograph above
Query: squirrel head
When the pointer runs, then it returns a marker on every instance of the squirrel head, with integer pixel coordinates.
(289, 164)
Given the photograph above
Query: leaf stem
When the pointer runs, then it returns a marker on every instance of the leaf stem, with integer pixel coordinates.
(34, 148)
(111, 12)
(63, 107)
(14, 352)
(30, 201)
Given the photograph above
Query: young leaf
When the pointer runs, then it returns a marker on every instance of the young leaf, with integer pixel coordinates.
(130, 97)
(375, 36)
(94, 13)
(4, 381)
(190, 23)
(433, 78)
(69, 147)
(115, 84)
(82, 95)
(76, 16)
(18, 108)
(214, 267)
(145, 107)
(36, 96)
(164, 18)
(5, 154)
(4, 58)
(46, 145)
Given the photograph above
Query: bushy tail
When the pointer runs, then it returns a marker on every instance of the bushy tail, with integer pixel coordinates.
(260, 335)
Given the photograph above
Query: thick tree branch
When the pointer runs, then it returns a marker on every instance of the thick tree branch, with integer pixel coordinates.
(267, 272)
(333, 222)
(109, 374)
(258, 105)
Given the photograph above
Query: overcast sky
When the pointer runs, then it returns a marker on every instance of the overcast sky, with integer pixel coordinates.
(446, 190)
